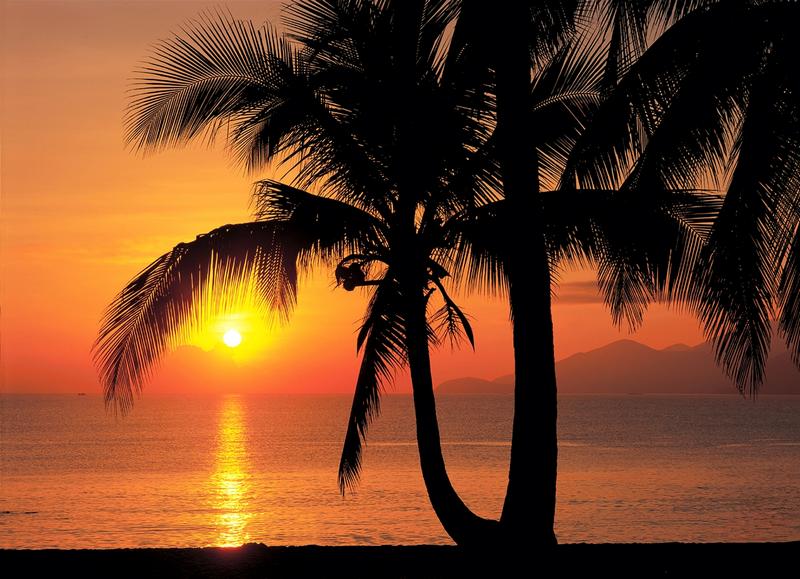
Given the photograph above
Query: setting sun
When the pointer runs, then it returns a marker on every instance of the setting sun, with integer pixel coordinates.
(232, 338)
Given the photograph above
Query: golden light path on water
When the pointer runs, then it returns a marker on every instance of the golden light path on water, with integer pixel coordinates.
(231, 478)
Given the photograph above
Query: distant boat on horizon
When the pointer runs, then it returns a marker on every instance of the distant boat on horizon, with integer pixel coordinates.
(81, 393)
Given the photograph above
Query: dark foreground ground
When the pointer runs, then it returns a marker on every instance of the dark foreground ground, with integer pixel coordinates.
(754, 560)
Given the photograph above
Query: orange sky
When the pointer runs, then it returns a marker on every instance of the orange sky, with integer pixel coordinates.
(81, 215)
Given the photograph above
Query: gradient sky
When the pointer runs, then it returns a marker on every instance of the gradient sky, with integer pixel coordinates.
(81, 215)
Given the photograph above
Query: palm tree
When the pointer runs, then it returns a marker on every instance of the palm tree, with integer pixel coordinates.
(699, 100)
(338, 99)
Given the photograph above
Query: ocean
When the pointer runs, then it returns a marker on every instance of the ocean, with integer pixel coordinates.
(195, 471)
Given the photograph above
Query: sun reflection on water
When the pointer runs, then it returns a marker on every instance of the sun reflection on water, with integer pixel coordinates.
(231, 477)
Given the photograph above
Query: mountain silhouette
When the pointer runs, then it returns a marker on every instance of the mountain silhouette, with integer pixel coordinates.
(628, 367)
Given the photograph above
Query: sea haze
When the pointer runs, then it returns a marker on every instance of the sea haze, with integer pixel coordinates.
(194, 471)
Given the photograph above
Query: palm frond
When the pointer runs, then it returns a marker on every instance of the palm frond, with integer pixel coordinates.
(789, 291)
(296, 229)
(450, 320)
(751, 242)
(433, 49)
(479, 240)
(639, 260)
(664, 13)
(686, 92)
(382, 340)
(605, 153)
(572, 233)
(218, 70)
(714, 96)
(167, 299)
(333, 227)
(652, 257)
(630, 25)
(552, 23)
(627, 22)
(335, 32)
(565, 93)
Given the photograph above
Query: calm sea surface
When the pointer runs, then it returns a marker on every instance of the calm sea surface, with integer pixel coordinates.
(194, 471)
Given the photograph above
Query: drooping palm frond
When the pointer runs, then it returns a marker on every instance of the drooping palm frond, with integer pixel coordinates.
(740, 275)
(437, 20)
(626, 21)
(652, 256)
(603, 154)
(155, 310)
(477, 247)
(686, 93)
(296, 229)
(572, 233)
(664, 13)
(382, 340)
(789, 291)
(450, 320)
(641, 259)
(716, 97)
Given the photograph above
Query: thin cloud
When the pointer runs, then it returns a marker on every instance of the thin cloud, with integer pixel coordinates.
(577, 293)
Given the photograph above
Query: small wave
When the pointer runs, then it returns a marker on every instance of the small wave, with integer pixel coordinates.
(19, 512)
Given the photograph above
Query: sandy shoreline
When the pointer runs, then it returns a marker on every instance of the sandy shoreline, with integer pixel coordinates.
(258, 560)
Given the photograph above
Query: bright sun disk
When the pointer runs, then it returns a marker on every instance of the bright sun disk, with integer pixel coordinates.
(232, 338)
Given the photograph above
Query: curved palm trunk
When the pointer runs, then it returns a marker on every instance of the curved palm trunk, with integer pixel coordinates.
(464, 527)
(529, 509)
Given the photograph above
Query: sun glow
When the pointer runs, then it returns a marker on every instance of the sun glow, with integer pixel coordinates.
(231, 319)
(243, 335)
(232, 338)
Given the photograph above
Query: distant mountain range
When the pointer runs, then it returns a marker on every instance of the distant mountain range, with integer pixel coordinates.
(628, 367)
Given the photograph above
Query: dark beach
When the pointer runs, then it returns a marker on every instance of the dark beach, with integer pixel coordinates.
(258, 560)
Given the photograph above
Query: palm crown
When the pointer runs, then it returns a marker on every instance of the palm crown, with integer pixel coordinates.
(328, 104)
(714, 103)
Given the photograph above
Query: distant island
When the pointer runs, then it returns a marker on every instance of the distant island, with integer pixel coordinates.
(628, 367)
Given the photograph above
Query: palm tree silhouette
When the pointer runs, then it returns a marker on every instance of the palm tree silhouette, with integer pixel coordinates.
(716, 91)
(339, 104)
